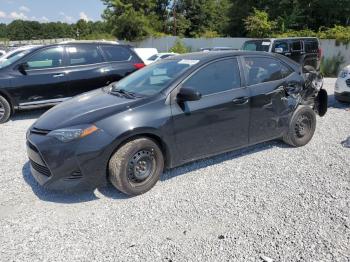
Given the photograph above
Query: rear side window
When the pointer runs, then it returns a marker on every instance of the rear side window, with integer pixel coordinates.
(84, 55)
(216, 77)
(116, 53)
(311, 46)
(261, 70)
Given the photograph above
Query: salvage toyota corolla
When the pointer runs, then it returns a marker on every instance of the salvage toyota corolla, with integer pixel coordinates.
(175, 111)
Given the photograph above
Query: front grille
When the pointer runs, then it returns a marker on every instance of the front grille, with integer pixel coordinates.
(348, 82)
(41, 169)
(39, 131)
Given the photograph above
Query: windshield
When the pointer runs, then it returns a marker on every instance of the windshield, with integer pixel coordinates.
(154, 78)
(13, 57)
(257, 45)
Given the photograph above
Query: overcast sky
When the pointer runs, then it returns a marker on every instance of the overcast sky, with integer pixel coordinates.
(50, 10)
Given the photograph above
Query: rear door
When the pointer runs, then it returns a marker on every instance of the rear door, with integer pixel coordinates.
(86, 67)
(121, 62)
(267, 79)
(45, 80)
(219, 120)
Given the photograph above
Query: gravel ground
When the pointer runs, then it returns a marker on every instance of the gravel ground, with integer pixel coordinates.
(266, 202)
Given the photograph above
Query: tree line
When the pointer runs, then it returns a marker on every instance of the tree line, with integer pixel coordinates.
(137, 19)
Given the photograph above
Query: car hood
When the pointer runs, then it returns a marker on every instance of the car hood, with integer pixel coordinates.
(84, 109)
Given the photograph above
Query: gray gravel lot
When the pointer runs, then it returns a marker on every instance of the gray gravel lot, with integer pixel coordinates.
(267, 201)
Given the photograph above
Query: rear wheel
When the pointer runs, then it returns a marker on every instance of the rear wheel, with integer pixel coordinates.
(136, 167)
(5, 110)
(301, 127)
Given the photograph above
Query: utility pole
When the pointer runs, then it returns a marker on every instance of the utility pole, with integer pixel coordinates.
(174, 16)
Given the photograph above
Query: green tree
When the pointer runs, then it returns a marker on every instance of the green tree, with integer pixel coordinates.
(258, 24)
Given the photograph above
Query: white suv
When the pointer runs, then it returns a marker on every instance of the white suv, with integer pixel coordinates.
(342, 85)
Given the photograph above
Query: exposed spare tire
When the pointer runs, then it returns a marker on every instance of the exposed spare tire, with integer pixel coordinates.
(321, 102)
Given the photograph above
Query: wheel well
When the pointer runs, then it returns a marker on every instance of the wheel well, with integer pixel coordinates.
(154, 137)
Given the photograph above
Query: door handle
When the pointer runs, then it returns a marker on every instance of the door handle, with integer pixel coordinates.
(241, 100)
(58, 75)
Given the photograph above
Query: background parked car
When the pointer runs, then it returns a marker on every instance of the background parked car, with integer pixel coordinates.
(305, 50)
(47, 75)
(159, 56)
(342, 85)
(16, 51)
(145, 53)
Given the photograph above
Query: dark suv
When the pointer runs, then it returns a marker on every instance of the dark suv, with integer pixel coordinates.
(305, 50)
(47, 75)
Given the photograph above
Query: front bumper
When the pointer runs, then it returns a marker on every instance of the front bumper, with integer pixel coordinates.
(79, 164)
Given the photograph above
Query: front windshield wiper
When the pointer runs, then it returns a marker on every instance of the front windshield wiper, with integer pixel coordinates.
(123, 92)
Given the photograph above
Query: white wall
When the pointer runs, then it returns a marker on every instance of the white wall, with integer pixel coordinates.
(330, 47)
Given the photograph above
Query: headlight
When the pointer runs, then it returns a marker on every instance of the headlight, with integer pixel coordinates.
(69, 134)
(344, 73)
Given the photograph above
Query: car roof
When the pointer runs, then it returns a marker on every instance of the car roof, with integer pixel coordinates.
(283, 38)
(219, 54)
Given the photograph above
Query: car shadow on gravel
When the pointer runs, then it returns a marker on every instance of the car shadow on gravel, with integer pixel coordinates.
(172, 173)
(333, 103)
(27, 115)
(68, 197)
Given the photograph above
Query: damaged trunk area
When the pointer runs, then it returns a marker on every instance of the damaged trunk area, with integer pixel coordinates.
(311, 93)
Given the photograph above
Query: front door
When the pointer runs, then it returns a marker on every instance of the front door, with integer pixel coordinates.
(219, 120)
(44, 80)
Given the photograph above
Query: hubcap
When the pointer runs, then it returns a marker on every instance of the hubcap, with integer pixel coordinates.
(303, 126)
(2, 110)
(141, 166)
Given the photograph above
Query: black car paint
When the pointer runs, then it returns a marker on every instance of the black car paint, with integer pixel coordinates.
(185, 131)
(41, 87)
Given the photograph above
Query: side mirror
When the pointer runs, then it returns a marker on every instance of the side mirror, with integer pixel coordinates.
(279, 50)
(188, 94)
(22, 68)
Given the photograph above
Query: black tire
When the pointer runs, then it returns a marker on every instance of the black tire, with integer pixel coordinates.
(5, 110)
(136, 166)
(301, 127)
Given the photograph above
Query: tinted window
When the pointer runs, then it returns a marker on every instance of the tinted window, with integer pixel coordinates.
(47, 58)
(262, 70)
(311, 46)
(116, 53)
(297, 46)
(216, 77)
(84, 55)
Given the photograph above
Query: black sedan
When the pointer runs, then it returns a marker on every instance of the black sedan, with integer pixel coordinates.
(175, 111)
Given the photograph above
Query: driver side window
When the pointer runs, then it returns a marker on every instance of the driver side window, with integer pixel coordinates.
(216, 77)
(47, 58)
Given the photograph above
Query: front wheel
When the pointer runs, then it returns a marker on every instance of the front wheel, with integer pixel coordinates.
(136, 167)
(5, 110)
(301, 127)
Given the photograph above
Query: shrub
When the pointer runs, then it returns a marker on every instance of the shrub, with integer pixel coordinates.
(330, 67)
(258, 24)
(179, 47)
